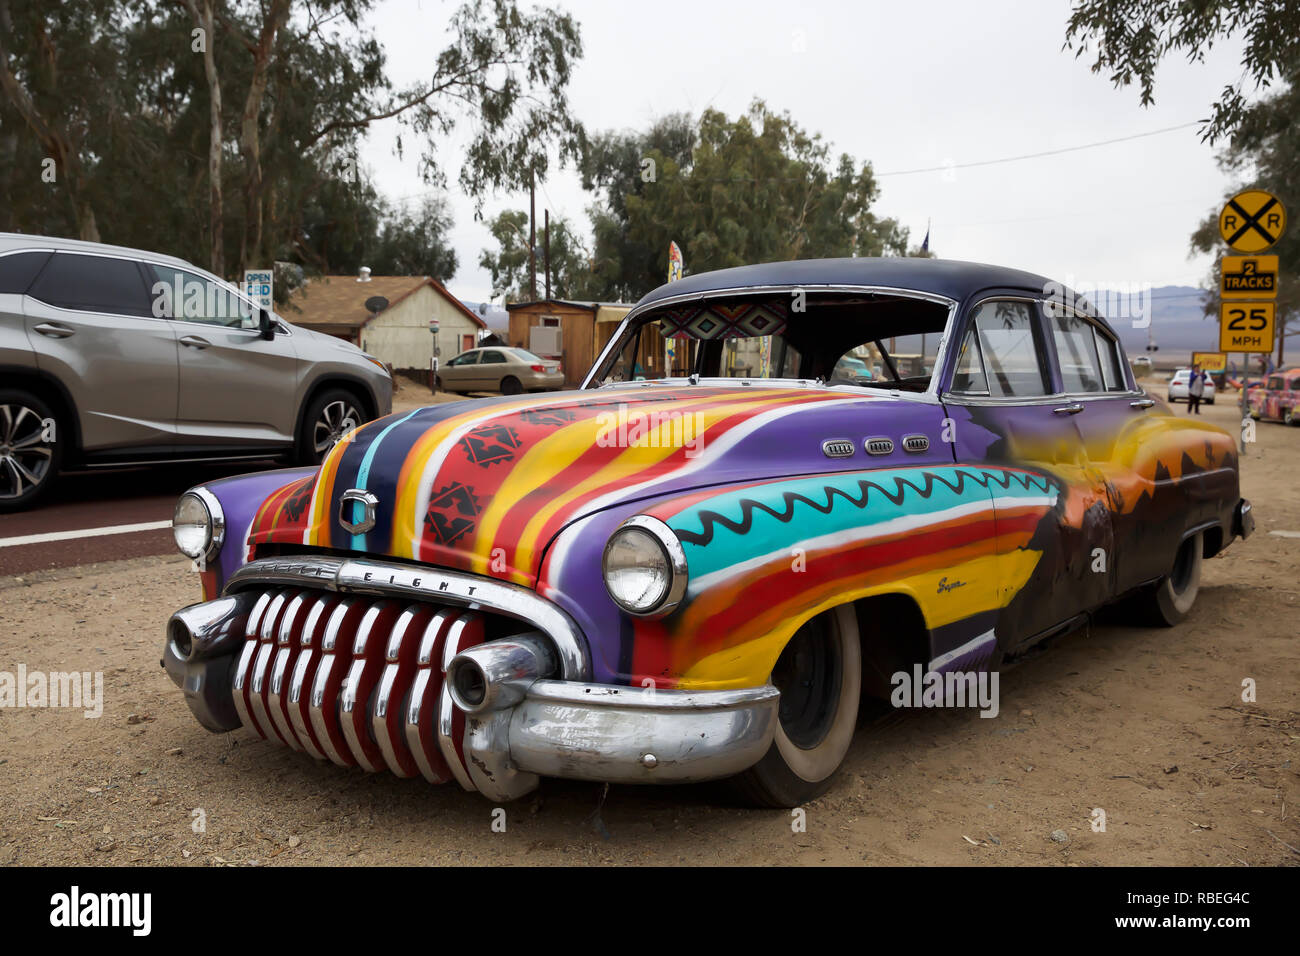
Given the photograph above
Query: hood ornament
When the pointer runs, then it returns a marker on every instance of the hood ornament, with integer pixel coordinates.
(357, 510)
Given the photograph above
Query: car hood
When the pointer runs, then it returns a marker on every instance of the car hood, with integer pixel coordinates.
(485, 485)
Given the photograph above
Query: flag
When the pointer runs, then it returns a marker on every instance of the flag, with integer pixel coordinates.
(674, 262)
(925, 243)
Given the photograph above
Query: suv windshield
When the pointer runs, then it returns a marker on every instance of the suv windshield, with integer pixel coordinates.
(863, 341)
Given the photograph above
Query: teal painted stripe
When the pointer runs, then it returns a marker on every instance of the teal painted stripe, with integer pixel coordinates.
(761, 531)
(363, 473)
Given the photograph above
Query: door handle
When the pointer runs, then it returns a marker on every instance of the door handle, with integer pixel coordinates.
(1071, 409)
(54, 330)
(194, 342)
(1142, 403)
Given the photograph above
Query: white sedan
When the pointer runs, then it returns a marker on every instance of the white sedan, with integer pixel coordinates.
(1178, 387)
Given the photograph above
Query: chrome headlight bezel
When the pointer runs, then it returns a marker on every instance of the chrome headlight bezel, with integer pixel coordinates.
(216, 524)
(675, 559)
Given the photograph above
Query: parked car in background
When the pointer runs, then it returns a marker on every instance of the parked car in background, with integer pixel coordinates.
(697, 577)
(1278, 398)
(1178, 387)
(499, 369)
(112, 356)
(852, 370)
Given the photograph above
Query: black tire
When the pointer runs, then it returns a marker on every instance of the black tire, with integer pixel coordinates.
(1168, 602)
(820, 677)
(1288, 416)
(31, 448)
(330, 415)
(511, 386)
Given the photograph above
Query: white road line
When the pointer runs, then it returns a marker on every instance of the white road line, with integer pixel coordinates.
(83, 533)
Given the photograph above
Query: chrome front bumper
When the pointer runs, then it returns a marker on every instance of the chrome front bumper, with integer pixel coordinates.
(240, 662)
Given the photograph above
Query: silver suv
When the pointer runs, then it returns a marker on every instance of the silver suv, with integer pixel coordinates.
(112, 356)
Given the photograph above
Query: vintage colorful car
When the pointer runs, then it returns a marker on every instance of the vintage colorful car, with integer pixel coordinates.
(693, 566)
(1277, 398)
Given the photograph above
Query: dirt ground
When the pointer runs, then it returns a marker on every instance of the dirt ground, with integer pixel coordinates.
(1147, 725)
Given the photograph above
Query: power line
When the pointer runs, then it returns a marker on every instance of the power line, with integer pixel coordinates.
(1046, 152)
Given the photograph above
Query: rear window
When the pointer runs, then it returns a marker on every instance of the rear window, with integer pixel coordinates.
(93, 284)
(18, 270)
(527, 356)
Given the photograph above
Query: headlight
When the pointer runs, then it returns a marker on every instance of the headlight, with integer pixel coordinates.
(645, 567)
(198, 525)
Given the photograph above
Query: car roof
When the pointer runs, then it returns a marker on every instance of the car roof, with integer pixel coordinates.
(15, 241)
(949, 278)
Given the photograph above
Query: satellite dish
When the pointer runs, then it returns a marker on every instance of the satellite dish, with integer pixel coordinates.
(376, 303)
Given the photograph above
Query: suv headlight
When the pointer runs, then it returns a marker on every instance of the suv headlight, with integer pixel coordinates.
(198, 524)
(644, 567)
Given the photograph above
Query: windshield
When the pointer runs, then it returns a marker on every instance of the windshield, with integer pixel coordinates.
(864, 341)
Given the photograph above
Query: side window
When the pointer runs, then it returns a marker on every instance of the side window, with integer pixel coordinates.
(969, 378)
(1076, 349)
(1294, 384)
(1112, 364)
(1000, 356)
(469, 358)
(1275, 383)
(92, 284)
(492, 358)
(178, 294)
(18, 270)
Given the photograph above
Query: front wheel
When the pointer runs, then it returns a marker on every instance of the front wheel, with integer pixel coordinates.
(819, 675)
(330, 416)
(1288, 416)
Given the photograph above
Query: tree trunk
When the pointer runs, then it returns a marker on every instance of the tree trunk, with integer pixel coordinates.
(216, 232)
(249, 135)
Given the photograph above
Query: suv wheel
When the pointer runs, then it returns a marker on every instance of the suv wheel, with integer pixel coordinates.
(31, 448)
(819, 675)
(330, 416)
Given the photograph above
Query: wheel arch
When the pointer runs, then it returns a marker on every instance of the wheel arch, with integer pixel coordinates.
(356, 386)
(51, 390)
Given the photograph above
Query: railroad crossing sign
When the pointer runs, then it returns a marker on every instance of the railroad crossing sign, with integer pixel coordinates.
(1248, 277)
(1246, 327)
(1253, 220)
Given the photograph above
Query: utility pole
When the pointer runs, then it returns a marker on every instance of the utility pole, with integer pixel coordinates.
(532, 239)
(546, 248)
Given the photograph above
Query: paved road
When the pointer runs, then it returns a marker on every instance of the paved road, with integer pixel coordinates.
(87, 517)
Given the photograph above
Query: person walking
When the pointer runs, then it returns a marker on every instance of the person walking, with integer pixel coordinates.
(1195, 389)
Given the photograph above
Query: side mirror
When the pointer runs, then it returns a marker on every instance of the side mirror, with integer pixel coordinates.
(265, 325)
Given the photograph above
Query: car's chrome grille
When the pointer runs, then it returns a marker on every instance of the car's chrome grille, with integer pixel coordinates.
(356, 680)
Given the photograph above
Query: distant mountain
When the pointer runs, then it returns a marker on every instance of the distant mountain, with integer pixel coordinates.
(1179, 325)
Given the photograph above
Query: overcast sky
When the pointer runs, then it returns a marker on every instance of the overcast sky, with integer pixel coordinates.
(903, 86)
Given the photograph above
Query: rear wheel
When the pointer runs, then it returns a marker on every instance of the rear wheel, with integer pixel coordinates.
(819, 675)
(31, 448)
(1170, 600)
(330, 416)
(511, 386)
(1288, 416)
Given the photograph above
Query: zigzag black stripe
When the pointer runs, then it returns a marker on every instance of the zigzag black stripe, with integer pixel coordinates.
(748, 506)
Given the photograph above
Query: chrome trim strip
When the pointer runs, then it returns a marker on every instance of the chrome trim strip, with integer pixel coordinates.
(401, 634)
(328, 662)
(265, 645)
(240, 679)
(302, 666)
(387, 579)
(275, 692)
(348, 699)
(423, 706)
(447, 707)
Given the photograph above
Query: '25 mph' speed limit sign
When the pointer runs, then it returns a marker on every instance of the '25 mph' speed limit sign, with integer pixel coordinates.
(1246, 327)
